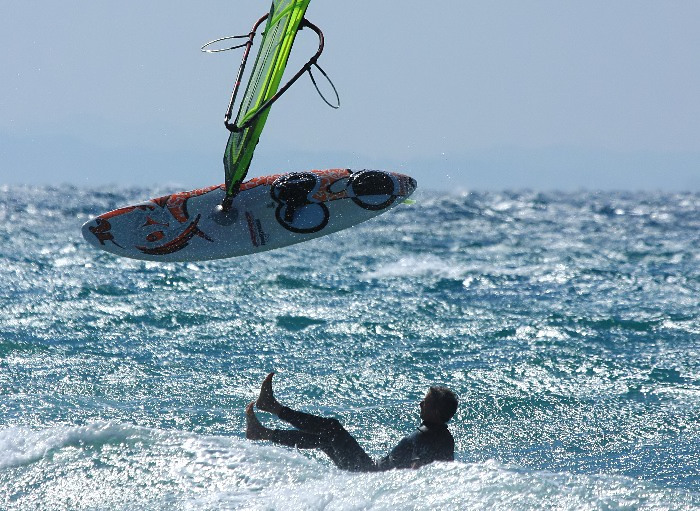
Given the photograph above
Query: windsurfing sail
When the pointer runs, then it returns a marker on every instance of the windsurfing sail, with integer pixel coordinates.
(283, 22)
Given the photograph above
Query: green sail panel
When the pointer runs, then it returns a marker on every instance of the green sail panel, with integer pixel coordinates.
(279, 34)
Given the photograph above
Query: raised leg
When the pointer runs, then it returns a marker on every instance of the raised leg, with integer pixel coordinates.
(300, 420)
(266, 400)
(315, 432)
(256, 431)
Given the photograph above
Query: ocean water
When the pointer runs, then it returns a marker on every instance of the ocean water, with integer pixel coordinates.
(568, 323)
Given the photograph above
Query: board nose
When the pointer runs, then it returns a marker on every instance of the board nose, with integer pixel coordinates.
(87, 233)
(97, 232)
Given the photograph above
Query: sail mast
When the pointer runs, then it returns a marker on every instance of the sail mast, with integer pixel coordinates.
(283, 23)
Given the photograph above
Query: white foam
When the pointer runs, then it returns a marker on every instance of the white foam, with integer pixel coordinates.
(23, 445)
(452, 486)
(113, 466)
(417, 266)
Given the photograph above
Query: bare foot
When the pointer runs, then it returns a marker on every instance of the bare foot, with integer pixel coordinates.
(266, 400)
(254, 430)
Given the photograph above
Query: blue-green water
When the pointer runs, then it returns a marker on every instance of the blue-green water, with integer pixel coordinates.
(569, 324)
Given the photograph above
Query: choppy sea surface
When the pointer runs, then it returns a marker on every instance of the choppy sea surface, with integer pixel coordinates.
(568, 323)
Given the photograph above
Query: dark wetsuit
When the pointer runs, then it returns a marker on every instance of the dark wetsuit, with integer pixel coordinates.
(432, 442)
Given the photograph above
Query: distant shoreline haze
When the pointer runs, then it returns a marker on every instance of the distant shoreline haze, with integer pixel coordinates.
(61, 160)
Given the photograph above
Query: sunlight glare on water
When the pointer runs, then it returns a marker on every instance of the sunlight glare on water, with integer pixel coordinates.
(567, 323)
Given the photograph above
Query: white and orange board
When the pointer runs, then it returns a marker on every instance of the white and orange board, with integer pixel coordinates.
(269, 212)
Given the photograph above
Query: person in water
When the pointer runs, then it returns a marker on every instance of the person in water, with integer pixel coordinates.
(432, 442)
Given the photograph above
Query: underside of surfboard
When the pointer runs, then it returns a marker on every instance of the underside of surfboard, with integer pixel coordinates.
(269, 212)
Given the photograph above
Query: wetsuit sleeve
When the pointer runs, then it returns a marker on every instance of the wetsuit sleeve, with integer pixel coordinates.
(446, 452)
(400, 457)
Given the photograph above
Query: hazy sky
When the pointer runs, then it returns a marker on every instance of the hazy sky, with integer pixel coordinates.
(548, 94)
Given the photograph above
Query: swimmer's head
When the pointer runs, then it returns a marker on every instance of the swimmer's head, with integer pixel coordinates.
(438, 405)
